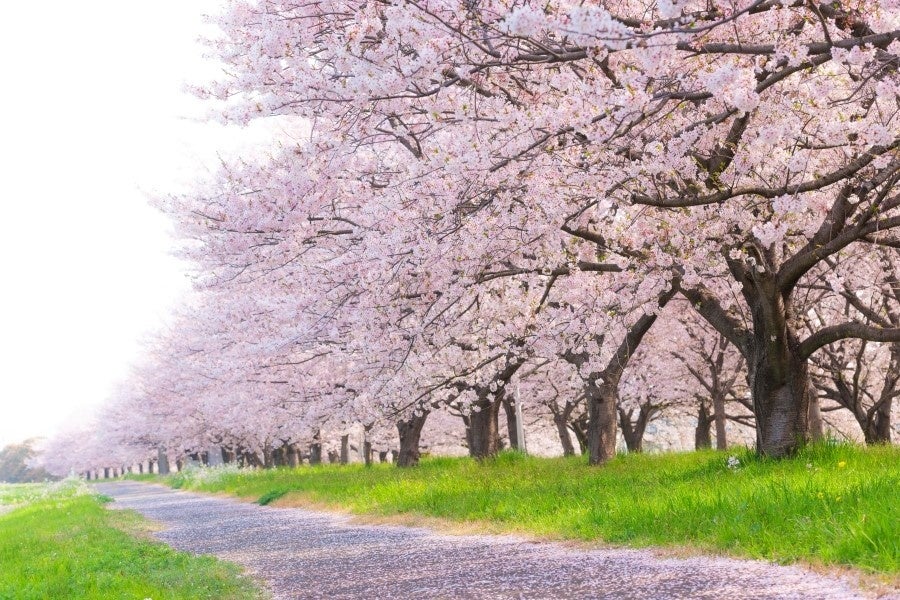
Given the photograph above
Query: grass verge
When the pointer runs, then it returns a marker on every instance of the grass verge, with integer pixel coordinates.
(65, 544)
(831, 505)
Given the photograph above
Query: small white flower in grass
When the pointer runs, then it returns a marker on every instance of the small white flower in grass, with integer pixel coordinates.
(733, 463)
(809, 465)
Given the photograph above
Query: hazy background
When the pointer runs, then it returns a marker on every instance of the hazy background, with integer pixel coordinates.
(94, 115)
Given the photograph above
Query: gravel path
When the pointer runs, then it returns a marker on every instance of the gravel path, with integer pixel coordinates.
(305, 554)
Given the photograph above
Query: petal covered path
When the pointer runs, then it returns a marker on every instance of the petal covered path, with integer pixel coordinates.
(300, 553)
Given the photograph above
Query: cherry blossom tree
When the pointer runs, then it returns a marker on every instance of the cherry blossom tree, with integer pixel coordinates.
(469, 195)
(727, 149)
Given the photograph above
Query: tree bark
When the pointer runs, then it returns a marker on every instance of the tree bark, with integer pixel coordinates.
(315, 453)
(633, 431)
(601, 432)
(579, 428)
(720, 418)
(485, 430)
(816, 424)
(777, 362)
(702, 434)
(470, 442)
(410, 432)
(367, 446)
(779, 382)
(252, 459)
(880, 430)
(293, 456)
(512, 425)
(163, 462)
(345, 449)
(315, 449)
(367, 453)
(562, 429)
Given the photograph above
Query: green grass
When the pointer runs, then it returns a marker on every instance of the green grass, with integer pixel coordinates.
(65, 544)
(17, 493)
(832, 504)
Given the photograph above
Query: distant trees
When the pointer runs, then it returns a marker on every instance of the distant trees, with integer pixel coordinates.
(17, 464)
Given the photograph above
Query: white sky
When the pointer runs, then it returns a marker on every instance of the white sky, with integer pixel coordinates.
(92, 113)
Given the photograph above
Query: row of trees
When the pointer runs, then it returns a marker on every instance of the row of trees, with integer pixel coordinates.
(616, 209)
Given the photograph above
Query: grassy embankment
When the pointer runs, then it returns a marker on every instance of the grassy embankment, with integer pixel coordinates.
(831, 505)
(60, 542)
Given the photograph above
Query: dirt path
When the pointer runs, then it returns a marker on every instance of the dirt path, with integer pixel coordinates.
(304, 554)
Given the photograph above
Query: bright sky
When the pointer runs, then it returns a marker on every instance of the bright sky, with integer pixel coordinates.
(93, 113)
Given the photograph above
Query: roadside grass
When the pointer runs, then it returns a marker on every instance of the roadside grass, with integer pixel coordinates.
(18, 493)
(832, 504)
(64, 544)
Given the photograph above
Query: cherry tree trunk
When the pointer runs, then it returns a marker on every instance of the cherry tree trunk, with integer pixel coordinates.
(579, 428)
(470, 444)
(634, 439)
(163, 462)
(345, 449)
(252, 459)
(367, 446)
(814, 414)
(720, 418)
(779, 381)
(601, 430)
(315, 454)
(633, 432)
(485, 431)
(702, 433)
(512, 425)
(410, 432)
(882, 424)
(877, 427)
(562, 430)
(293, 456)
(268, 457)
